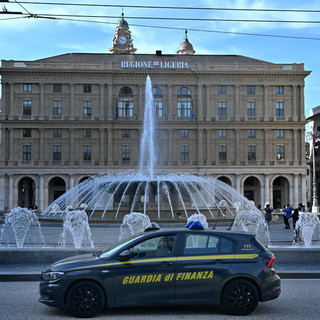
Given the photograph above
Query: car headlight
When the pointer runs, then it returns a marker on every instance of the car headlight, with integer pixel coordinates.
(52, 276)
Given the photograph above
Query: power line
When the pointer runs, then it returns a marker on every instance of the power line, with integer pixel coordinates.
(179, 19)
(170, 7)
(195, 30)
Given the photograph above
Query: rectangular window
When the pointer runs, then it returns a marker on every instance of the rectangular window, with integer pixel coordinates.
(87, 133)
(26, 156)
(87, 88)
(184, 133)
(125, 153)
(27, 133)
(87, 153)
(126, 107)
(56, 153)
(223, 152)
(57, 107)
(184, 106)
(27, 107)
(57, 87)
(87, 108)
(157, 153)
(279, 89)
(280, 153)
(57, 133)
(280, 109)
(280, 133)
(222, 133)
(184, 153)
(251, 133)
(222, 108)
(251, 107)
(27, 87)
(251, 89)
(222, 89)
(125, 133)
(251, 153)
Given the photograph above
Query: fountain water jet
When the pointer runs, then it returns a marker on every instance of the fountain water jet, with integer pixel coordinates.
(160, 196)
(23, 225)
(307, 226)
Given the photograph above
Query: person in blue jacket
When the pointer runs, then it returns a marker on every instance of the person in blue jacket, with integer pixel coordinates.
(287, 213)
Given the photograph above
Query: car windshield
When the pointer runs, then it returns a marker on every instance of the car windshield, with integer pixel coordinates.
(110, 251)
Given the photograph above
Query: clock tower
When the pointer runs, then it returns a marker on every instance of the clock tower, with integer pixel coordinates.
(122, 41)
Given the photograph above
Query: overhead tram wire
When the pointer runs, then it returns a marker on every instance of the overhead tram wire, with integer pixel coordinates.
(168, 7)
(190, 29)
(179, 19)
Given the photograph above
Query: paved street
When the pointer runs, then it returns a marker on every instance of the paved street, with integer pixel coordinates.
(299, 300)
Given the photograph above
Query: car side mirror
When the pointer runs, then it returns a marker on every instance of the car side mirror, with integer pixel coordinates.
(125, 255)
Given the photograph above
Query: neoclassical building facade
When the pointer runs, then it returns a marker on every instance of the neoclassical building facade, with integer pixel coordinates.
(68, 117)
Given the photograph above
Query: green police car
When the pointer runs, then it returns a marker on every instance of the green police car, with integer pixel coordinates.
(172, 267)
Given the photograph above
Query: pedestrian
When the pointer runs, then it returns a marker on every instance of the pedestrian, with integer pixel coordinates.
(287, 213)
(295, 217)
(268, 215)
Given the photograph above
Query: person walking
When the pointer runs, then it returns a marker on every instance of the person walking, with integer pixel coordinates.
(287, 213)
(268, 215)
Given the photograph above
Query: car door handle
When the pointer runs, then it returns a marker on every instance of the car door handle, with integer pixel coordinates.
(166, 263)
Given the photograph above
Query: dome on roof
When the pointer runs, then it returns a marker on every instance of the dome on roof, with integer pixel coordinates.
(186, 47)
(123, 22)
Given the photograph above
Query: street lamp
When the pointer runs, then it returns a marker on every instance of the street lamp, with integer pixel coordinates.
(315, 139)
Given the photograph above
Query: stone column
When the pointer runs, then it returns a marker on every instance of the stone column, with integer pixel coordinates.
(3, 194)
(42, 100)
(41, 200)
(170, 158)
(71, 143)
(295, 200)
(110, 147)
(236, 103)
(294, 103)
(101, 146)
(237, 156)
(11, 193)
(11, 104)
(238, 186)
(207, 102)
(41, 144)
(266, 190)
(12, 153)
(101, 86)
(295, 147)
(266, 148)
(110, 108)
(301, 105)
(170, 111)
(140, 103)
(200, 105)
(265, 104)
(72, 106)
(208, 146)
(200, 147)
(303, 189)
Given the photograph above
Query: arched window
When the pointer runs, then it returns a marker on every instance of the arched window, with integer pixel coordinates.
(157, 102)
(184, 102)
(125, 102)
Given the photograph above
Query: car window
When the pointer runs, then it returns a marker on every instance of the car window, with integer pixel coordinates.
(208, 244)
(161, 246)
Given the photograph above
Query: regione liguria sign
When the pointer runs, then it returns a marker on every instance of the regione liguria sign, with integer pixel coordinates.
(154, 65)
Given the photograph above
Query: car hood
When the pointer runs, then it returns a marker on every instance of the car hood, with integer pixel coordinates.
(75, 262)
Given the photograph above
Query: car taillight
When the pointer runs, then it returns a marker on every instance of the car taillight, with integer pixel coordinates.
(269, 261)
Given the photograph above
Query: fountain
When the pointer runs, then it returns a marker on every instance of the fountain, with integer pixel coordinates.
(162, 197)
(307, 226)
(133, 223)
(76, 230)
(21, 225)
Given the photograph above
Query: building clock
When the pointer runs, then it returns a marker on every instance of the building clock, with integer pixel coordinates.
(122, 40)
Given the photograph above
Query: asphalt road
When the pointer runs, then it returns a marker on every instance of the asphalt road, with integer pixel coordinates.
(299, 300)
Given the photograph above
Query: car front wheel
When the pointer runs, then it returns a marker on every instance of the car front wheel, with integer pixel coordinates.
(240, 297)
(85, 299)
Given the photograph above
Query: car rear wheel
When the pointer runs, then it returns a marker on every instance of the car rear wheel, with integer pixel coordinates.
(240, 297)
(85, 299)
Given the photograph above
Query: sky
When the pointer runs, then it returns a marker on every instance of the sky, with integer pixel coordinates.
(23, 38)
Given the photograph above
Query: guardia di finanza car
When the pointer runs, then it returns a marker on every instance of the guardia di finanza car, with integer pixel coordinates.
(175, 267)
